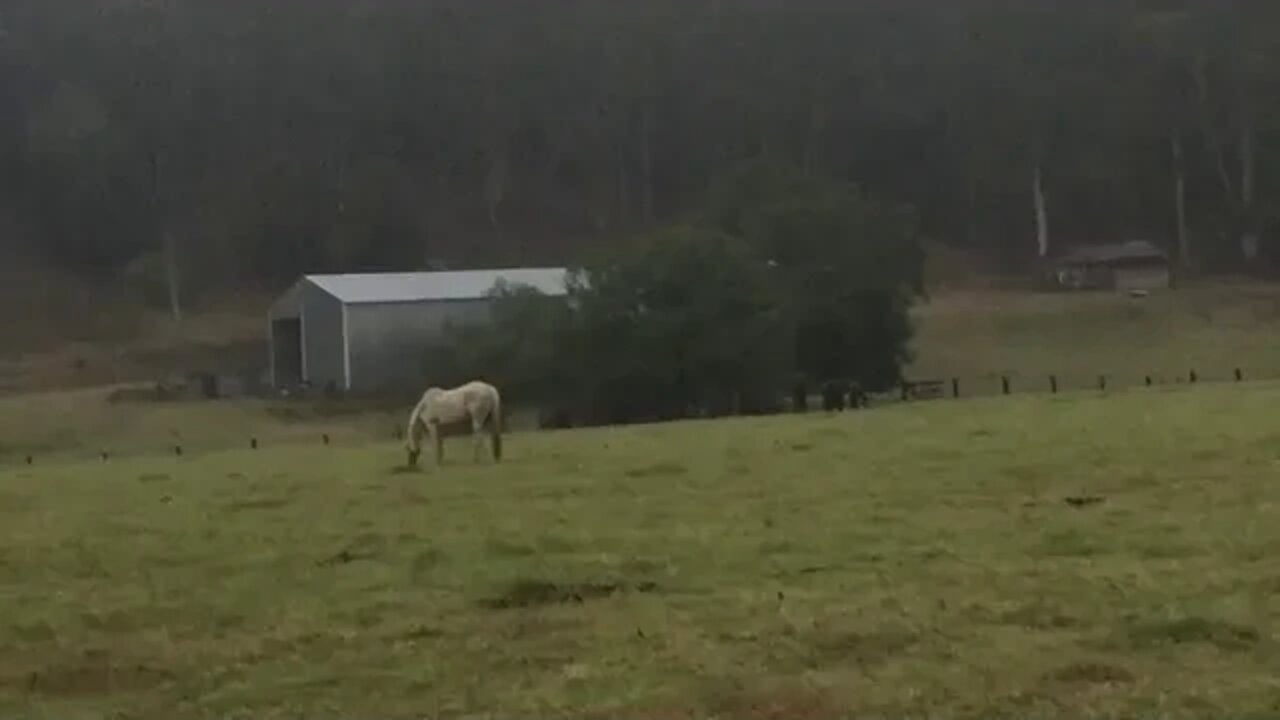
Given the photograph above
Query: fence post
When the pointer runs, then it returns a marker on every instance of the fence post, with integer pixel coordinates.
(1239, 375)
(856, 397)
(1193, 377)
(1053, 384)
(1102, 382)
(1148, 381)
(906, 389)
(1004, 384)
(799, 397)
(955, 387)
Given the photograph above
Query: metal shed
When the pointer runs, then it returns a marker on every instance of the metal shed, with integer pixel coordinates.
(370, 331)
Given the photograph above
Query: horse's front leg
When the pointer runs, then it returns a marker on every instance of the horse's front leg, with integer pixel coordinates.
(438, 440)
(477, 439)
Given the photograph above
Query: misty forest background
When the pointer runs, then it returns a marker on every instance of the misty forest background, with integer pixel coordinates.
(234, 145)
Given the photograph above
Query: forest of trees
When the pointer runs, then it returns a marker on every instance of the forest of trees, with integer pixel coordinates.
(220, 145)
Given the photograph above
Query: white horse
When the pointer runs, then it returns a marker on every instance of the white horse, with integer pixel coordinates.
(477, 400)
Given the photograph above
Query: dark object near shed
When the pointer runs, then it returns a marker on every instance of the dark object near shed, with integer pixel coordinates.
(857, 396)
(554, 418)
(834, 393)
(924, 389)
(799, 396)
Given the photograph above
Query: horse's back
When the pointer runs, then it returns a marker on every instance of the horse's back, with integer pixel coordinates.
(478, 387)
(452, 405)
(478, 393)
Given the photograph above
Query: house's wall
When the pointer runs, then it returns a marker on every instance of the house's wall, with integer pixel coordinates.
(1152, 277)
(321, 337)
(1129, 277)
(389, 342)
(1082, 277)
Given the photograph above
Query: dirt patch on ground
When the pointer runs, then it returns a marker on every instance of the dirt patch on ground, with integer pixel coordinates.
(869, 648)
(740, 704)
(779, 704)
(662, 469)
(1090, 673)
(94, 673)
(258, 504)
(1227, 636)
(537, 593)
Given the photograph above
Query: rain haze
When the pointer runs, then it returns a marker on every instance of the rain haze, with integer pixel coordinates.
(696, 359)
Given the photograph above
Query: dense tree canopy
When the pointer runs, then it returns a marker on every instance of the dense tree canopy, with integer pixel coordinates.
(788, 275)
(220, 144)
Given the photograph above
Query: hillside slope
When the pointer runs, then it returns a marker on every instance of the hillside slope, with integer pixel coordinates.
(1211, 328)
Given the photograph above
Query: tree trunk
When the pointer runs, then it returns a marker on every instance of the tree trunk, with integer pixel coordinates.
(495, 186)
(1180, 199)
(1248, 170)
(172, 275)
(646, 161)
(1042, 216)
(623, 183)
(1201, 78)
(971, 209)
(813, 142)
(959, 125)
(168, 241)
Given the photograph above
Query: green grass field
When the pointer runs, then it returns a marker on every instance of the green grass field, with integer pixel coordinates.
(1212, 328)
(910, 561)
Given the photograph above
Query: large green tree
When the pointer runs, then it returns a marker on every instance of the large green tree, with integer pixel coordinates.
(787, 272)
(849, 265)
(685, 320)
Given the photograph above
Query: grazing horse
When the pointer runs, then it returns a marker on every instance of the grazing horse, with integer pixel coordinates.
(476, 401)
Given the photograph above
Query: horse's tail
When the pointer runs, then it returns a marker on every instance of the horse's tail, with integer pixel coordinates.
(495, 425)
(411, 438)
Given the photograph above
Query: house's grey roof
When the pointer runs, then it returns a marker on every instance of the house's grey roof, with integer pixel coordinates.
(445, 285)
(1133, 250)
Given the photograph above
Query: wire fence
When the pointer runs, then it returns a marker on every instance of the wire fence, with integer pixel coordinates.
(834, 396)
(831, 397)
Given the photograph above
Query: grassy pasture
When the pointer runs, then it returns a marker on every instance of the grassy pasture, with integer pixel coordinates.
(1213, 328)
(911, 561)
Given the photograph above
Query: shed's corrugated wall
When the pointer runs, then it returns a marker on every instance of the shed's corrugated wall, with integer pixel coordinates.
(389, 342)
(322, 337)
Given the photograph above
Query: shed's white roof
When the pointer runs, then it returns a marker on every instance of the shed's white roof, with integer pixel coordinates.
(443, 285)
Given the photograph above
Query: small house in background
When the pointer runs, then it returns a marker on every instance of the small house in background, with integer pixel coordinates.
(1125, 267)
(367, 332)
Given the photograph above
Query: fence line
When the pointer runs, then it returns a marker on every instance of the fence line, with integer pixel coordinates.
(1018, 383)
(833, 398)
(837, 396)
